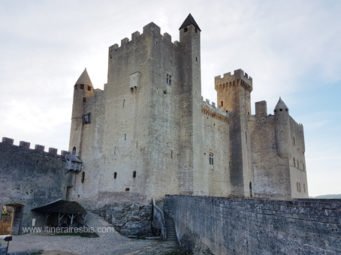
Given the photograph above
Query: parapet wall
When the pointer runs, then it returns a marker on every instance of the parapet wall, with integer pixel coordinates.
(149, 29)
(255, 226)
(210, 109)
(30, 177)
(229, 79)
(38, 148)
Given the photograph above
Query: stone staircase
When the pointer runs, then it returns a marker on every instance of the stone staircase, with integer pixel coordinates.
(170, 229)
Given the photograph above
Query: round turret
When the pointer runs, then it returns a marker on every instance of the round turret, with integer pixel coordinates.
(83, 90)
(282, 128)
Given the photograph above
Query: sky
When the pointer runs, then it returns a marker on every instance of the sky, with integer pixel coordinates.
(291, 48)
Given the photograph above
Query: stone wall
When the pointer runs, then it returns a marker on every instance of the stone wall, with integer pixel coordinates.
(29, 177)
(223, 226)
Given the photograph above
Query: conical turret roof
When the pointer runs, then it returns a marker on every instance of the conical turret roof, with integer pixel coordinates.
(84, 78)
(190, 21)
(281, 105)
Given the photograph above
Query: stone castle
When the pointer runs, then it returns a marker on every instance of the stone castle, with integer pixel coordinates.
(149, 133)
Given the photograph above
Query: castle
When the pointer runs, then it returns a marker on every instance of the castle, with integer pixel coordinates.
(149, 132)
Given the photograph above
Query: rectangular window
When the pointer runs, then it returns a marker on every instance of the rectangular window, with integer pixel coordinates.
(134, 174)
(82, 86)
(87, 118)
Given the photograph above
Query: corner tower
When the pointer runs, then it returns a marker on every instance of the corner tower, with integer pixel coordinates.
(83, 89)
(233, 95)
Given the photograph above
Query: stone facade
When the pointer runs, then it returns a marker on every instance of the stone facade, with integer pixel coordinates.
(149, 132)
(212, 225)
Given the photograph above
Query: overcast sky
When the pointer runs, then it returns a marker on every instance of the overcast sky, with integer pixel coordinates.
(291, 49)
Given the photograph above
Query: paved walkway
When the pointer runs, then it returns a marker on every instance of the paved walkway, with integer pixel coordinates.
(107, 243)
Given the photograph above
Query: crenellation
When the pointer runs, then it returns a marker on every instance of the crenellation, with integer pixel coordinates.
(229, 79)
(25, 145)
(210, 109)
(64, 153)
(40, 148)
(151, 28)
(53, 151)
(167, 37)
(124, 42)
(135, 36)
(8, 141)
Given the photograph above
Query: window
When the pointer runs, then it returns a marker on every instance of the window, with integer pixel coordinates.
(169, 79)
(84, 99)
(134, 174)
(124, 101)
(115, 175)
(185, 29)
(221, 103)
(298, 186)
(81, 86)
(127, 189)
(87, 118)
(211, 158)
(125, 137)
(89, 88)
(83, 177)
(171, 154)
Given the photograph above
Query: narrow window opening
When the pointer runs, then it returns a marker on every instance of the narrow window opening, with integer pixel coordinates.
(250, 187)
(221, 103)
(82, 86)
(83, 177)
(84, 99)
(171, 153)
(127, 189)
(185, 29)
(124, 101)
(168, 79)
(89, 88)
(281, 110)
(125, 137)
(115, 175)
(196, 59)
(134, 174)
(211, 158)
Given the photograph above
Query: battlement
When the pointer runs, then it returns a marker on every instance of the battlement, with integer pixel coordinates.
(149, 29)
(229, 79)
(210, 108)
(38, 148)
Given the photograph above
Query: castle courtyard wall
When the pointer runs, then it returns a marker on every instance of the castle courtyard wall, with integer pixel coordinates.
(256, 226)
(30, 177)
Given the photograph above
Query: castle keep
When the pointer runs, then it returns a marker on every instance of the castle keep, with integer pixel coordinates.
(149, 132)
